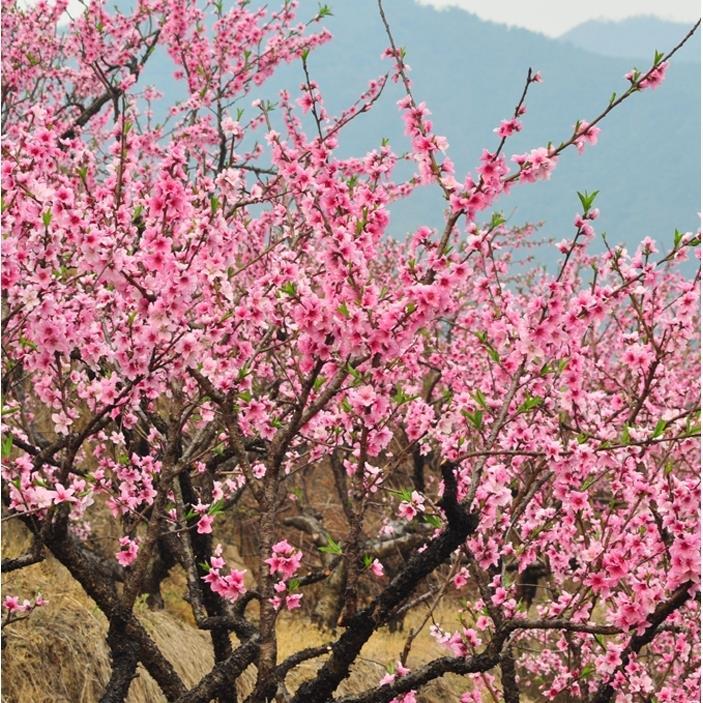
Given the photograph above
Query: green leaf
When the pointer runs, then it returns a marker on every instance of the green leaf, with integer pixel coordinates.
(27, 343)
(214, 204)
(497, 220)
(587, 671)
(246, 396)
(293, 585)
(658, 56)
(659, 429)
(400, 396)
(331, 547)
(216, 508)
(204, 566)
(343, 310)
(556, 367)
(530, 403)
(404, 494)
(480, 399)
(475, 418)
(346, 405)
(290, 288)
(482, 337)
(587, 199)
(324, 11)
(46, 218)
(355, 373)
(587, 484)
(625, 435)
(433, 520)
(368, 560)
(318, 383)
(6, 446)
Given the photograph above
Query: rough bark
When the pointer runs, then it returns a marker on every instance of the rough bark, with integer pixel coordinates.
(360, 627)
(102, 590)
(124, 656)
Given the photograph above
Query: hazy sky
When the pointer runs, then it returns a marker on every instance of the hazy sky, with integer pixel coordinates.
(554, 17)
(551, 17)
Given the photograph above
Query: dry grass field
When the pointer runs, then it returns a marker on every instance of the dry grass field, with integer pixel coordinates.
(59, 654)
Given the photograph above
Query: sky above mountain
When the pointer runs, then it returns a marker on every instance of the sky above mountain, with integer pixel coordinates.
(554, 17)
(633, 38)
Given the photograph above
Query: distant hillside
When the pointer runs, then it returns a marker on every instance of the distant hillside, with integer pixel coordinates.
(471, 73)
(635, 37)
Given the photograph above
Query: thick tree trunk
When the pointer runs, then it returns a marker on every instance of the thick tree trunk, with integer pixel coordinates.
(124, 656)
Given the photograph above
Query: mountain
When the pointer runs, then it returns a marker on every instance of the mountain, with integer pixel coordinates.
(471, 73)
(635, 37)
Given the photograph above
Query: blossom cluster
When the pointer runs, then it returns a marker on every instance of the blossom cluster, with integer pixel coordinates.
(212, 315)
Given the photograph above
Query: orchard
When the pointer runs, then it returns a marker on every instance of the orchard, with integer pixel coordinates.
(206, 324)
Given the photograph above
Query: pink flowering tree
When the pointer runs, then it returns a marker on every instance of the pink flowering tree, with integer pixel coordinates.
(206, 318)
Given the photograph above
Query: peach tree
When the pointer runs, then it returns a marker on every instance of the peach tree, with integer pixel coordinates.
(207, 317)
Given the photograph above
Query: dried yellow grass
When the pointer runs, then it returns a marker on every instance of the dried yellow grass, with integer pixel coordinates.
(59, 654)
